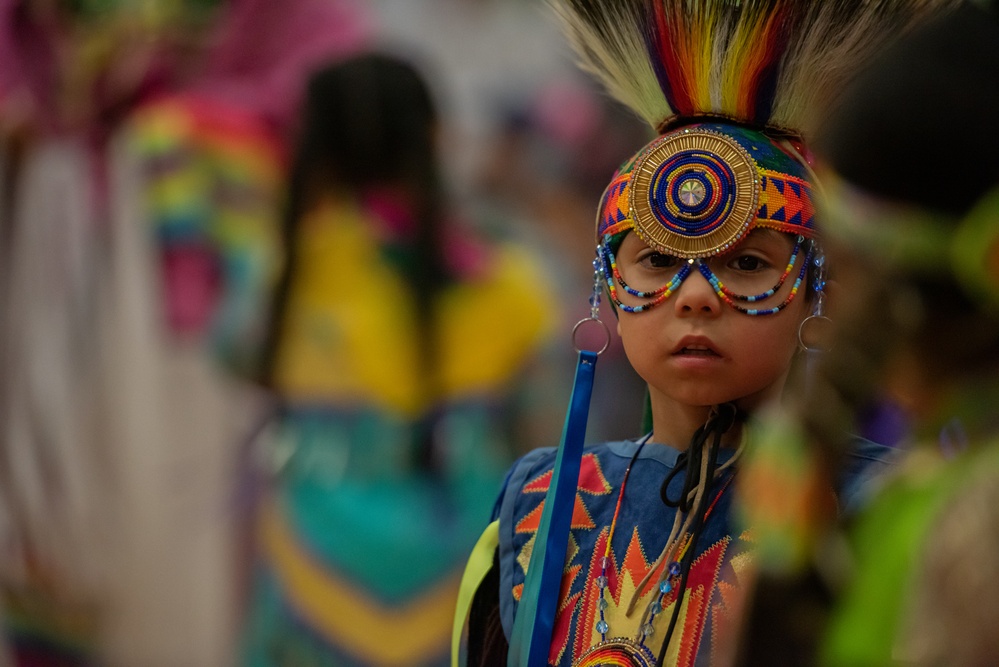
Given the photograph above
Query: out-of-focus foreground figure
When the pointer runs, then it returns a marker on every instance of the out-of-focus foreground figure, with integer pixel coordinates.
(920, 286)
(397, 339)
(912, 185)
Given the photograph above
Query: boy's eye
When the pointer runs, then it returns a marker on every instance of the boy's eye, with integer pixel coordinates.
(658, 260)
(748, 263)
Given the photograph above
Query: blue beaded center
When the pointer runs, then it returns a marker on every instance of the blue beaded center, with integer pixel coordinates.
(697, 216)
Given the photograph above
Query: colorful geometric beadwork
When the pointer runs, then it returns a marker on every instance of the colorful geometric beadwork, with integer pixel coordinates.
(785, 204)
(613, 215)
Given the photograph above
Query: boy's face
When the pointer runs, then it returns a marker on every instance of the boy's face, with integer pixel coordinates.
(696, 350)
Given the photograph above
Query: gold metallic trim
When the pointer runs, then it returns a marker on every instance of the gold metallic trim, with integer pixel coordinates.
(731, 230)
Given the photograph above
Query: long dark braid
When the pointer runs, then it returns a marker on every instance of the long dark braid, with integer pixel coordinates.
(368, 122)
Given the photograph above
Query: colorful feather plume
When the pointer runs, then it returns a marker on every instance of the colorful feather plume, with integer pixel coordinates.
(765, 63)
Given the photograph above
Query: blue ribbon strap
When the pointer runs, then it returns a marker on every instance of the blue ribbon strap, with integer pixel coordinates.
(531, 638)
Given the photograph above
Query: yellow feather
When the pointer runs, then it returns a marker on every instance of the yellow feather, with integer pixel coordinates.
(717, 43)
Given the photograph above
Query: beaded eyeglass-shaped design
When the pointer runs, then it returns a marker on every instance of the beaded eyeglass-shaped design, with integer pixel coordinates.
(611, 275)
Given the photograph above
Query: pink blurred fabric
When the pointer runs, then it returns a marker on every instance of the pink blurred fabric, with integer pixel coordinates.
(257, 57)
(264, 48)
(27, 65)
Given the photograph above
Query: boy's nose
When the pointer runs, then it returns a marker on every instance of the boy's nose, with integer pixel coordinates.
(696, 296)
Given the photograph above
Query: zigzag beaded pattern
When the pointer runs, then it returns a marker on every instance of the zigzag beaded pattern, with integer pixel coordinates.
(614, 213)
(786, 204)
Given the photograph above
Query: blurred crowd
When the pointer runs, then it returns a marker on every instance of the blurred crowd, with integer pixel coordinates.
(187, 401)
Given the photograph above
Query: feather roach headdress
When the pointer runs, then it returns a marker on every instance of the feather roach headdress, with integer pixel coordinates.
(756, 74)
(764, 63)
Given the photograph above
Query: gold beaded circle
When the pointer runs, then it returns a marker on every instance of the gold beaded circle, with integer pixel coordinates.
(694, 193)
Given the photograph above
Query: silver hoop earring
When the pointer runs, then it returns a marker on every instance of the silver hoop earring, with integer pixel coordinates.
(801, 328)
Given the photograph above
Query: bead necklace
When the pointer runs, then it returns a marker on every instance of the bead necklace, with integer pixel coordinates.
(633, 652)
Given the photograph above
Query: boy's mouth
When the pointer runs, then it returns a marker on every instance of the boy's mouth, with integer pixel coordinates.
(697, 351)
(695, 346)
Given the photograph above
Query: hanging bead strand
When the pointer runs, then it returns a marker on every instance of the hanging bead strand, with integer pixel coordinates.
(602, 580)
(598, 280)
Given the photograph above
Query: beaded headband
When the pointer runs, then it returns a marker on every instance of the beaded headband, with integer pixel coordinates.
(698, 190)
